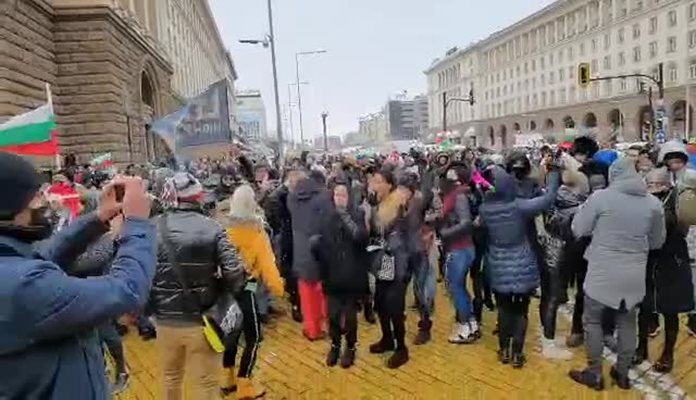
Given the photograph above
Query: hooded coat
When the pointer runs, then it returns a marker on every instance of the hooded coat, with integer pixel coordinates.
(310, 205)
(625, 223)
(511, 262)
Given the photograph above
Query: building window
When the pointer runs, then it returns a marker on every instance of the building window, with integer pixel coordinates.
(622, 59)
(671, 44)
(673, 74)
(692, 69)
(607, 88)
(582, 49)
(692, 11)
(607, 41)
(594, 66)
(551, 78)
(560, 56)
(561, 75)
(672, 18)
(622, 85)
(570, 54)
(692, 39)
(653, 25)
(551, 60)
(636, 31)
(653, 49)
(571, 73)
(594, 46)
(552, 98)
(636, 54)
(543, 80)
(621, 35)
(607, 62)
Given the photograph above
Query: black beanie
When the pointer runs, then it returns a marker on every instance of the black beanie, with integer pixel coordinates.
(19, 182)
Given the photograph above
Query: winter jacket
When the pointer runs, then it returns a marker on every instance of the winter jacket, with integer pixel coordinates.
(97, 258)
(511, 262)
(388, 223)
(310, 204)
(49, 348)
(252, 242)
(275, 206)
(340, 250)
(558, 241)
(625, 223)
(457, 223)
(203, 253)
(669, 288)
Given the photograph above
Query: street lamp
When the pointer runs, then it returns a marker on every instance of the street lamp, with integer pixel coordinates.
(325, 115)
(299, 92)
(269, 40)
(290, 105)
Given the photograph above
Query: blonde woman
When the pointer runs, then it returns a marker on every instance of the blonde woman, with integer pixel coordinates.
(246, 232)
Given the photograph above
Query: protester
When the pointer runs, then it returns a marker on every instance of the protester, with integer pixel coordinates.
(340, 250)
(511, 260)
(309, 204)
(391, 267)
(192, 249)
(246, 231)
(625, 223)
(48, 341)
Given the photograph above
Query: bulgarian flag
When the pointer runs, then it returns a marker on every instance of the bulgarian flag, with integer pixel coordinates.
(31, 133)
(102, 162)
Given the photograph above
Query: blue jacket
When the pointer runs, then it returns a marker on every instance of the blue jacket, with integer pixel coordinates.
(48, 347)
(511, 262)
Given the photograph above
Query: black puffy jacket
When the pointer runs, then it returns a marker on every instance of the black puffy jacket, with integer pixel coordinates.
(209, 265)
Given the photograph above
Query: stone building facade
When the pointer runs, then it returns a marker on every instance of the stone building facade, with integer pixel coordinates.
(109, 75)
(525, 76)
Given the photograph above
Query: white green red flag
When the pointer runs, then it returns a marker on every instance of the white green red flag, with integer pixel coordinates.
(102, 161)
(32, 133)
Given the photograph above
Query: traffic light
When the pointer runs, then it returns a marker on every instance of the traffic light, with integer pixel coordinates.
(584, 75)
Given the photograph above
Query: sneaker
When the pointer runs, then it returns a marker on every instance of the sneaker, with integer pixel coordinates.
(147, 334)
(121, 383)
(399, 358)
(622, 381)
(332, 357)
(587, 378)
(461, 333)
(550, 350)
(518, 360)
(575, 340)
(382, 346)
(474, 328)
(348, 357)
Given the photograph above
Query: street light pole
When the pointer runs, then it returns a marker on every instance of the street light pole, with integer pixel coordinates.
(298, 83)
(324, 115)
(279, 124)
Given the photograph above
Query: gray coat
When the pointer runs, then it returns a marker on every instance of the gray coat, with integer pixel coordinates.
(625, 223)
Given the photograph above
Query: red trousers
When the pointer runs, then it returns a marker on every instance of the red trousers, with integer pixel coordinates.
(313, 305)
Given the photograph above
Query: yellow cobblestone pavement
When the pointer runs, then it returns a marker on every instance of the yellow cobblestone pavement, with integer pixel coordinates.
(290, 367)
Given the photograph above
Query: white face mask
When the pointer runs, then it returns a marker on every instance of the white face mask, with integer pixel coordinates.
(451, 175)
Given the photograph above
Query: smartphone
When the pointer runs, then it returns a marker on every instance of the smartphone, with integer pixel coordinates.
(120, 192)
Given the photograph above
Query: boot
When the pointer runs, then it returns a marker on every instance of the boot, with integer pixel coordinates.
(369, 313)
(230, 384)
(247, 391)
(296, 313)
(587, 378)
(504, 356)
(665, 364)
(622, 381)
(348, 356)
(383, 346)
(121, 383)
(551, 351)
(575, 340)
(518, 360)
(332, 357)
(423, 335)
(399, 358)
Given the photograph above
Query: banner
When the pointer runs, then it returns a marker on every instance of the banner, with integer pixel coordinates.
(203, 120)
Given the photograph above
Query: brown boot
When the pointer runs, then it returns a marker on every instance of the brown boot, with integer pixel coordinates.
(247, 391)
(229, 385)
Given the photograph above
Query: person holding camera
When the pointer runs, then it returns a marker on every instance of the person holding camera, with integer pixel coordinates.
(49, 347)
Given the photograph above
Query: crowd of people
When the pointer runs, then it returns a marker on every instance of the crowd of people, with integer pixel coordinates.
(203, 253)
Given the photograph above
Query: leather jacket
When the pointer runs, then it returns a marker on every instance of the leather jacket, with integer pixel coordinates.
(209, 265)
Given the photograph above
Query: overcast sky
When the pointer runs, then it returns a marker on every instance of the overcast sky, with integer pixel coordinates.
(376, 48)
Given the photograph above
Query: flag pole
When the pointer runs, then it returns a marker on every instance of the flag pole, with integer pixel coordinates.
(687, 131)
(49, 98)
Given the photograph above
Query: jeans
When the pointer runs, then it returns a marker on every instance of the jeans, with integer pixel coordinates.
(424, 284)
(251, 327)
(456, 268)
(593, 319)
(185, 347)
(112, 341)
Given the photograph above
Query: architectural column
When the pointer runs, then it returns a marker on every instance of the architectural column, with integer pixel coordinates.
(146, 15)
(600, 12)
(131, 5)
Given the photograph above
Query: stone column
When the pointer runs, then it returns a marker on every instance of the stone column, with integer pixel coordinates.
(600, 12)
